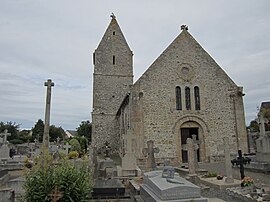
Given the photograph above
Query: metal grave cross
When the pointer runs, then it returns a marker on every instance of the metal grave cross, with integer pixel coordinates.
(55, 195)
(5, 134)
(241, 161)
(150, 151)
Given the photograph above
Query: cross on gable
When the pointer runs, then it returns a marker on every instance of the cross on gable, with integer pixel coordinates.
(55, 195)
(5, 134)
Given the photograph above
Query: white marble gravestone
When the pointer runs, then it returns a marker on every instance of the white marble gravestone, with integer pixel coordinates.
(156, 188)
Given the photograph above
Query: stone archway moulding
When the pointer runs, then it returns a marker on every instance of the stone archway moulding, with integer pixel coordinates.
(176, 131)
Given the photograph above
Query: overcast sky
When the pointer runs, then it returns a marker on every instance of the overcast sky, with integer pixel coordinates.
(56, 38)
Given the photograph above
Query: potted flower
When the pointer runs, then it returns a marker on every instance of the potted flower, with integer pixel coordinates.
(247, 182)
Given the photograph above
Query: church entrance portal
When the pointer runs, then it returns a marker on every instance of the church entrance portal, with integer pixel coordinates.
(187, 133)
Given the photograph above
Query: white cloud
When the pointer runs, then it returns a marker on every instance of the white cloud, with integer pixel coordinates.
(56, 39)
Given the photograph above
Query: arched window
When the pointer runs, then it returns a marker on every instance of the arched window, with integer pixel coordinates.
(197, 98)
(178, 98)
(187, 96)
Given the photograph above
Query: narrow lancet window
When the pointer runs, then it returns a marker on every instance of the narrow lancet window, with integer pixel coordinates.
(197, 98)
(113, 60)
(187, 96)
(94, 58)
(178, 98)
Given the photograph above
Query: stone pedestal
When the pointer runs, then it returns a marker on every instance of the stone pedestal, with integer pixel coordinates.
(4, 152)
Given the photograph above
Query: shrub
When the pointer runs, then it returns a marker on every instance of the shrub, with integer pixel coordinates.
(210, 174)
(73, 155)
(73, 183)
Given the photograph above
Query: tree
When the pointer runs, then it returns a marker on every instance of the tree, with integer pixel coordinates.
(85, 129)
(254, 126)
(38, 130)
(75, 145)
(13, 129)
(56, 132)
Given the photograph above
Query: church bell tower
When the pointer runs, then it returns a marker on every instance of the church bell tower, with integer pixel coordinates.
(113, 74)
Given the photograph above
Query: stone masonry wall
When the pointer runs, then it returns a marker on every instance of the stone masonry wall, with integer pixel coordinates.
(159, 112)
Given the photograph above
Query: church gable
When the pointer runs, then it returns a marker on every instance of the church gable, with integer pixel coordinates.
(186, 51)
(185, 85)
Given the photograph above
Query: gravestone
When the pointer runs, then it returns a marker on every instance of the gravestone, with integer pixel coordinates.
(226, 147)
(197, 142)
(156, 188)
(129, 160)
(4, 149)
(263, 142)
(149, 153)
(191, 148)
(66, 146)
(107, 185)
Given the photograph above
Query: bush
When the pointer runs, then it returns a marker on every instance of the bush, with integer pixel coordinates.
(75, 145)
(73, 155)
(210, 174)
(73, 183)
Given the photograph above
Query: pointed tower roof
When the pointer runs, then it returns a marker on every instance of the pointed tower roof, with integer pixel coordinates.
(115, 30)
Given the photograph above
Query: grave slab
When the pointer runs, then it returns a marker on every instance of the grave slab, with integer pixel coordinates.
(157, 188)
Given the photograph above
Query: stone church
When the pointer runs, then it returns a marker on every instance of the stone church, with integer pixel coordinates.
(184, 93)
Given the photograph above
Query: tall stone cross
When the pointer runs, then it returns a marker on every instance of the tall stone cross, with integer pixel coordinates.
(150, 151)
(67, 146)
(5, 134)
(228, 167)
(49, 85)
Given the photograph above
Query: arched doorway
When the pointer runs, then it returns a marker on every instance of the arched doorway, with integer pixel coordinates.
(190, 130)
(191, 127)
